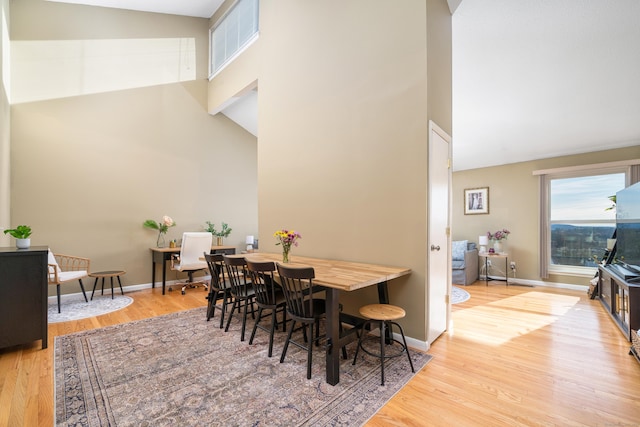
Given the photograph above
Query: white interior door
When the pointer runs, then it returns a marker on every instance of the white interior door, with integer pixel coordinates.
(438, 239)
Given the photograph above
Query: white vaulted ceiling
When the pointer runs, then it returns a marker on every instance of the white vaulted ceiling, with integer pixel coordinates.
(196, 8)
(531, 78)
(543, 78)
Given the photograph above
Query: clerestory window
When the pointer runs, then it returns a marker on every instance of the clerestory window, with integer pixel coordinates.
(233, 33)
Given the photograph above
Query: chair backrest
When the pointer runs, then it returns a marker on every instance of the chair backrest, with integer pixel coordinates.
(297, 284)
(238, 276)
(217, 270)
(194, 244)
(262, 277)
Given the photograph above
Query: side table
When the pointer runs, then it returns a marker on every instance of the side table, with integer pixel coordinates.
(110, 274)
(489, 256)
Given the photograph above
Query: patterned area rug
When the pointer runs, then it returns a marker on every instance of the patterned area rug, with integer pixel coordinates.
(76, 308)
(180, 370)
(459, 295)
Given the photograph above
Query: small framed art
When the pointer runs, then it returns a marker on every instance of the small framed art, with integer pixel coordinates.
(476, 201)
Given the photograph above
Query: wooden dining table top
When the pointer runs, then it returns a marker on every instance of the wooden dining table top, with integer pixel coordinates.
(342, 275)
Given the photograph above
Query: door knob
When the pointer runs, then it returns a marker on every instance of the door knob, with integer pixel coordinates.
(435, 248)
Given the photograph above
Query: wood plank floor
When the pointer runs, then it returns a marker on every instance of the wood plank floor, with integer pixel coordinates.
(515, 356)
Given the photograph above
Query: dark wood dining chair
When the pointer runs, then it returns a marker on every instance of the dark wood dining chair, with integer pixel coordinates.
(302, 307)
(219, 288)
(241, 290)
(269, 296)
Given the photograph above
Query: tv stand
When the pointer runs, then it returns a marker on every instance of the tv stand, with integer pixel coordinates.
(620, 297)
(624, 273)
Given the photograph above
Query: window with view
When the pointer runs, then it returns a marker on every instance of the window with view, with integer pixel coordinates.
(581, 219)
(233, 33)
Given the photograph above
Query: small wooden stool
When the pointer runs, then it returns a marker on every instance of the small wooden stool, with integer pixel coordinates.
(111, 274)
(383, 315)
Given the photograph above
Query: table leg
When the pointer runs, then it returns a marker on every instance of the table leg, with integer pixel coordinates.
(153, 270)
(111, 287)
(102, 289)
(486, 271)
(383, 293)
(506, 270)
(94, 288)
(383, 298)
(120, 283)
(164, 275)
(333, 336)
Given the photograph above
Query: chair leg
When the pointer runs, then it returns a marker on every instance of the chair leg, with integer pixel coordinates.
(364, 325)
(211, 306)
(226, 297)
(244, 319)
(58, 293)
(284, 319)
(233, 308)
(382, 343)
(83, 292)
(255, 326)
(310, 351)
(286, 343)
(274, 321)
(406, 348)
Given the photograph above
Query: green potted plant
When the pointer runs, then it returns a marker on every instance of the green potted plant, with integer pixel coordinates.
(21, 233)
(224, 232)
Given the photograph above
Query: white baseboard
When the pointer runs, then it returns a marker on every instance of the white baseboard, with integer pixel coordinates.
(116, 289)
(526, 282)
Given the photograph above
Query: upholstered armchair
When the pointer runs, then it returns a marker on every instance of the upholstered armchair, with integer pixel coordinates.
(464, 262)
(66, 268)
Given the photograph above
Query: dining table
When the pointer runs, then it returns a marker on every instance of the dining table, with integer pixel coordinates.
(334, 277)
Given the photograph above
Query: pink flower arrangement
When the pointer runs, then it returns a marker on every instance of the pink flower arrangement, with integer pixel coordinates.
(498, 235)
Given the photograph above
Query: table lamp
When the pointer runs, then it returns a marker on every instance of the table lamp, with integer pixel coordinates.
(483, 241)
(249, 242)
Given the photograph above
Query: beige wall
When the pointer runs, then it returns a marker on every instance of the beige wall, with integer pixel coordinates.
(514, 204)
(88, 170)
(342, 152)
(5, 126)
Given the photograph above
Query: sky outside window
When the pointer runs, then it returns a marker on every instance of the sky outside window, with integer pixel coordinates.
(584, 198)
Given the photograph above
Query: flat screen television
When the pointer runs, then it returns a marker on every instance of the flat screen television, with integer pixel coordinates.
(628, 231)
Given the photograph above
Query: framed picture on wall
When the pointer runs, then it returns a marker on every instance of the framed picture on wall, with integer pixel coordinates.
(476, 201)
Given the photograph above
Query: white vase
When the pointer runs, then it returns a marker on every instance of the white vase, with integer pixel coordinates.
(23, 243)
(497, 247)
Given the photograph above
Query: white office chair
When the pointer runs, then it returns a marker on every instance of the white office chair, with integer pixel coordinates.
(191, 258)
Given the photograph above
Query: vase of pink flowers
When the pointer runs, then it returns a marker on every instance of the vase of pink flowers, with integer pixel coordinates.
(498, 237)
(162, 227)
(286, 239)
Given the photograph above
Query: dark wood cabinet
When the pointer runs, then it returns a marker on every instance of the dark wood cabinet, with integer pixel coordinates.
(620, 298)
(23, 296)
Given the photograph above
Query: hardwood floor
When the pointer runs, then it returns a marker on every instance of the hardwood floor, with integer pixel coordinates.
(515, 356)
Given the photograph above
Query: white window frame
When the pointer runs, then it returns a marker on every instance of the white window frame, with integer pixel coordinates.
(629, 168)
(232, 13)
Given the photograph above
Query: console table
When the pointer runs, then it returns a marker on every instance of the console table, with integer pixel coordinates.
(162, 255)
(23, 296)
(489, 256)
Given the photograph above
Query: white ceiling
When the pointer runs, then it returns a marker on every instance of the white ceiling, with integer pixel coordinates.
(540, 78)
(196, 8)
(531, 78)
